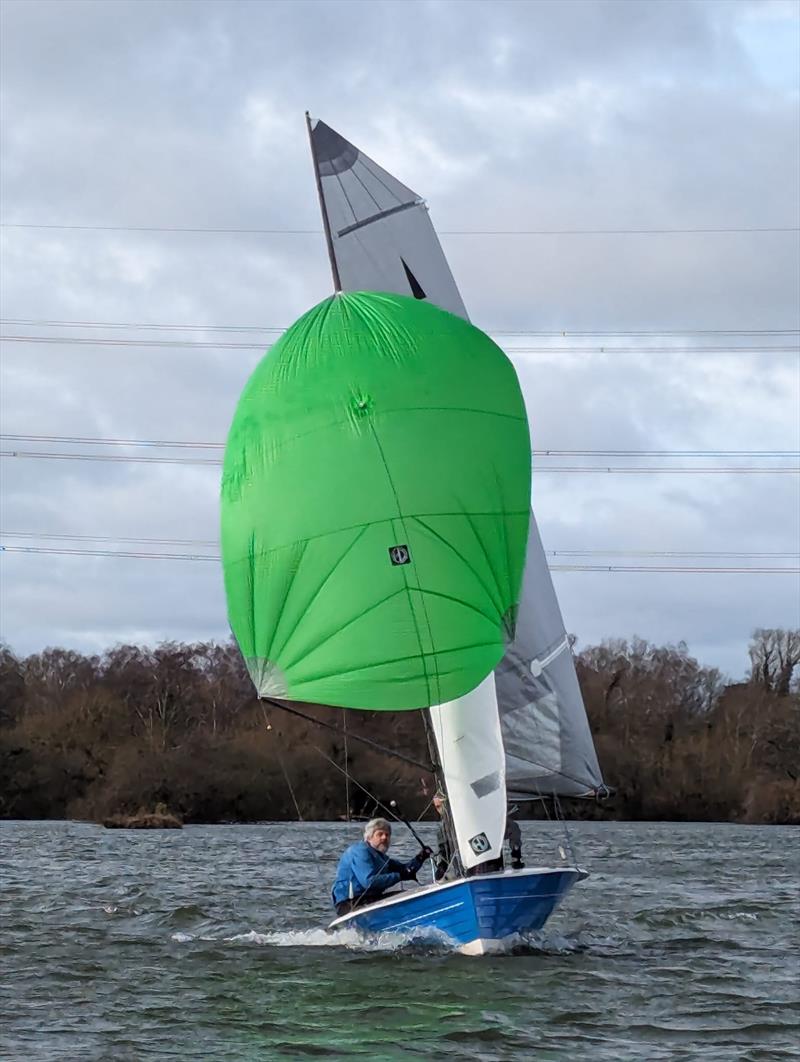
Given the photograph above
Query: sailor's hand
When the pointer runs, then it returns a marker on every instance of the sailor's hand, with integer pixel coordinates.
(409, 873)
(424, 853)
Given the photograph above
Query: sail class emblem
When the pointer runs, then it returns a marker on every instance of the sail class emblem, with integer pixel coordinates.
(479, 843)
(399, 555)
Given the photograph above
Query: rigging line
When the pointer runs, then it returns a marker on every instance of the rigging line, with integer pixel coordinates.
(290, 787)
(389, 811)
(355, 737)
(563, 820)
(550, 452)
(440, 232)
(268, 727)
(612, 568)
(556, 333)
(176, 344)
(346, 769)
(548, 770)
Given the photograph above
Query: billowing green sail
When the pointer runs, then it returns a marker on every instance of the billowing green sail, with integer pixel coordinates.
(375, 506)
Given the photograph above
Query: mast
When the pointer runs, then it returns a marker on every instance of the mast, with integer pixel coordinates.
(446, 815)
(337, 283)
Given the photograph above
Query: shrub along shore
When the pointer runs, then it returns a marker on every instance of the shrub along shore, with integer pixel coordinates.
(176, 727)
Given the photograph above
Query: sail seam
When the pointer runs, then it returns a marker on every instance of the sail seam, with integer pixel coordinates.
(365, 159)
(462, 558)
(371, 523)
(318, 589)
(405, 573)
(350, 622)
(369, 193)
(400, 659)
(347, 197)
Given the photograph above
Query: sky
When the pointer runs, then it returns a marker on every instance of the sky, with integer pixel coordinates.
(570, 154)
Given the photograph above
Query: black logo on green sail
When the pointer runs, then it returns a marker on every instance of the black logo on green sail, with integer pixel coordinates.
(399, 555)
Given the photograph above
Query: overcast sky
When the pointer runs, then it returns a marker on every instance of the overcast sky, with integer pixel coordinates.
(505, 116)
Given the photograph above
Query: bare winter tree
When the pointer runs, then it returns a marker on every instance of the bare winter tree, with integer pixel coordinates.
(774, 654)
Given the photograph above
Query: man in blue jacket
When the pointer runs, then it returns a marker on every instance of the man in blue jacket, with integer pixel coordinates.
(365, 871)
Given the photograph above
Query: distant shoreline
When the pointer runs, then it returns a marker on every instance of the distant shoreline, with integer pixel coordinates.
(177, 727)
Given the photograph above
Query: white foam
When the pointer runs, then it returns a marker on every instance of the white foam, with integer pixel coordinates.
(322, 938)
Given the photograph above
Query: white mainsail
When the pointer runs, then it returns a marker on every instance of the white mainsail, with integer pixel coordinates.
(381, 238)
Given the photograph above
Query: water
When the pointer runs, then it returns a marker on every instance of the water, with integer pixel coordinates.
(206, 944)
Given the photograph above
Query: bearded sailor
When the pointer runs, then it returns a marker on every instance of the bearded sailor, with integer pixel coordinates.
(365, 870)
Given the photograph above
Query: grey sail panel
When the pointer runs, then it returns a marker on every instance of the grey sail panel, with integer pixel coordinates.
(549, 747)
(383, 240)
(381, 233)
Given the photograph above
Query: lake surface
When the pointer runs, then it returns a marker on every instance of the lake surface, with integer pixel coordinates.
(207, 944)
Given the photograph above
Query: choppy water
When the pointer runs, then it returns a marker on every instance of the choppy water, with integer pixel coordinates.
(206, 944)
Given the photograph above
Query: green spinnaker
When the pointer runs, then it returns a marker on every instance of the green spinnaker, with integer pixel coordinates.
(375, 506)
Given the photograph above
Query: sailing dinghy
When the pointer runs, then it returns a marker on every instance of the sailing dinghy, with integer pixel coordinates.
(380, 553)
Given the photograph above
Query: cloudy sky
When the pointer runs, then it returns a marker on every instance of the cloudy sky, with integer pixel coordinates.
(564, 129)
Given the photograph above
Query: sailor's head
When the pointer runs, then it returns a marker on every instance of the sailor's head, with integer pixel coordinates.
(378, 834)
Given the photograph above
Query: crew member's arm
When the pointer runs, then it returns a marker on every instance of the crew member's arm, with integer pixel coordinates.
(375, 875)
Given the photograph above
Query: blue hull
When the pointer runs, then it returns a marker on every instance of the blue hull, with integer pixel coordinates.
(479, 914)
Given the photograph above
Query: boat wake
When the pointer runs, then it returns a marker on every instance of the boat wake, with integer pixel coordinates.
(421, 941)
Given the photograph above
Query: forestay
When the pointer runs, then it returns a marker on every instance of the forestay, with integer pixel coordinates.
(383, 239)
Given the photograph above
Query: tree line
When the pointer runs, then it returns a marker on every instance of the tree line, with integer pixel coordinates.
(178, 726)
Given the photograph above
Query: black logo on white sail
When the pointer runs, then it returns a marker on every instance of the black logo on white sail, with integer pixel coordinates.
(479, 843)
(399, 555)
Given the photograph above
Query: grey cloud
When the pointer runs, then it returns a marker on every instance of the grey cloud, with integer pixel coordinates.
(505, 115)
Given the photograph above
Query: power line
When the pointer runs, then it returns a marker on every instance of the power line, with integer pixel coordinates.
(212, 544)
(84, 440)
(228, 345)
(53, 536)
(441, 232)
(126, 458)
(555, 333)
(132, 554)
(51, 456)
(142, 555)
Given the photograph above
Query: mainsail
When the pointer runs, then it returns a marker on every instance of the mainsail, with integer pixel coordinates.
(382, 238)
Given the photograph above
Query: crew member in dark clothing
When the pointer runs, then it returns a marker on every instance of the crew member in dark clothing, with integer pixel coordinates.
(365, 870)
